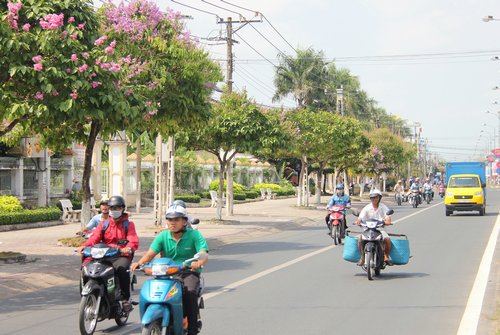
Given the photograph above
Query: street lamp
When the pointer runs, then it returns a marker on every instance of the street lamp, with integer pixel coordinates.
(489, 18)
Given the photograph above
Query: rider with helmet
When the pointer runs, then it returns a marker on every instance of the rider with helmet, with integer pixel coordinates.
(416, 186)
(428, 186)
(180, 243)
(340, 199)
(375, 210)
(117, 227)
(190, 218)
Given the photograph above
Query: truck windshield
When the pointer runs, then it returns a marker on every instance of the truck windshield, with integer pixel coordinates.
(464, 182)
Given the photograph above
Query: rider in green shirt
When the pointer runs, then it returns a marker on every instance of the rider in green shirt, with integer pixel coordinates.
(180, 243)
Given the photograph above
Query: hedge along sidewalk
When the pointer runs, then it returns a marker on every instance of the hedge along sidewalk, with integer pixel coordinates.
(30, 225)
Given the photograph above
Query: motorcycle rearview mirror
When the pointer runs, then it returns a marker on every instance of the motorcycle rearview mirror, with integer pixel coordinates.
(195, 222)
(122, 242)
(390, 212)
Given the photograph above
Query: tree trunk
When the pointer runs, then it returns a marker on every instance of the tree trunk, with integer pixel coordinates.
(222, 170)
(95, 127)
(229, 188)
(319, 180)
(138, 177)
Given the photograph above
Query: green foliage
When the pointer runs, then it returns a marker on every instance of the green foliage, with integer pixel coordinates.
(238, 188)
(189, 198)
(9, 204)
(285, 192)
(273, 187)
(239, 196)
(204, 194)
(252, 194)
(30, 215)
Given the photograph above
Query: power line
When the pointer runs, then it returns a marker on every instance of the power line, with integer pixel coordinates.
(264, 37)
(220, 7)
(237, 6)
(276, 30)
(251, 47)
(198, 9)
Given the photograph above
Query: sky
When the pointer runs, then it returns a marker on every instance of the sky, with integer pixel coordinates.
(427, 61)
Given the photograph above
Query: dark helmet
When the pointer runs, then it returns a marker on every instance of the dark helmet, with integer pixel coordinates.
(176, 211)
(179, 203)
(117, 201)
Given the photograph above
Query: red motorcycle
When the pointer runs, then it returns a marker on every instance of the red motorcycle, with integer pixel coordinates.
(441, 190)
(336, 223)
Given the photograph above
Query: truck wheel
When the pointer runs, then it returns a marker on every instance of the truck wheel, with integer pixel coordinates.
(482, 211)
(448, 212)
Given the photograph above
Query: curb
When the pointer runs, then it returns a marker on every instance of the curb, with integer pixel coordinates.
(42, 224)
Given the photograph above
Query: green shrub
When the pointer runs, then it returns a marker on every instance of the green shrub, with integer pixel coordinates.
(239, 196)
(285, 192)
(204, 194)
(252, 194)
(189, 198)
(237, 188)
(9, 204)
(274, 187)
(30, 215)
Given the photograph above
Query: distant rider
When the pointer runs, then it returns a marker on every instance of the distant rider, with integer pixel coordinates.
(416, 186)
(428, 186)
(96, 219)
(375, 211)
(340, 199)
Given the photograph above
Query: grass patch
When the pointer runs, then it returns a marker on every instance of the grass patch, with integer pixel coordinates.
(71, 241)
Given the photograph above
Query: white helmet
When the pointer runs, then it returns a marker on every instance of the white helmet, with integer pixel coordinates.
(176, 211)
(375, 192)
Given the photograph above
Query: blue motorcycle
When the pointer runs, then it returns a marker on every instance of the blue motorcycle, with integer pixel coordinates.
(160, 300)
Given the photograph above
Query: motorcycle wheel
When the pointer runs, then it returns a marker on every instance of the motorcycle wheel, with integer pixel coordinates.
(153, 328)
(88, 314)
(336, 234)
(369, 264)
(121, 318)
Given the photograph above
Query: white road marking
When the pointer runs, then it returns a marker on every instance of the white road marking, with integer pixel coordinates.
(470, 318)
(261, 274)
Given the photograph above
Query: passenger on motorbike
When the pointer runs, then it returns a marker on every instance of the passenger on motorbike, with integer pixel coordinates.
(375, 211)
(340, 199)
(96, 219)
(428, 186)
(181, 243)
(117, 229)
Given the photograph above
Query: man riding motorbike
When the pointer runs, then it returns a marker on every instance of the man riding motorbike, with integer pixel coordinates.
(340, 199)
(375, 211)
(416, 186)
(180, 243)
(428, 186)
(117, 227)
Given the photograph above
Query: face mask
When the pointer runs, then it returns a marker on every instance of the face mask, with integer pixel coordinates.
(115, 214)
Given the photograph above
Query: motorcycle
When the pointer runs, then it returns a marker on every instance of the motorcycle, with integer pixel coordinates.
(336, 223)
(414, 198)
(441, 190)
(372, 246)
(100, 288)
(160, 302)
(428, 195)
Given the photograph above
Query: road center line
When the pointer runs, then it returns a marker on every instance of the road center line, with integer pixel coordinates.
(261, 274)
(470, 318)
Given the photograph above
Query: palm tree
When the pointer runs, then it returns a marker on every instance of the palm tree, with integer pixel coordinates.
(303, 76)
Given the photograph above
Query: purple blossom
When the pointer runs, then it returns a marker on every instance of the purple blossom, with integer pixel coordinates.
(14, 7)
(37, 59)
(115, 67)
(55, 93)
(64, 34)
(95, 84)
(26, 27)
(68, 70)
(71, 19)
(52, 21)
(74, 57)
(39, 95)
(74, 36)
(101, 40)
(83, 68)
(81, 26)
(109, 50)
(113, 44)
(38, 67)
(85, 55)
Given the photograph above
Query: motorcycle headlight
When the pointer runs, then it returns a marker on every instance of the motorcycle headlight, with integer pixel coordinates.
(97, 253)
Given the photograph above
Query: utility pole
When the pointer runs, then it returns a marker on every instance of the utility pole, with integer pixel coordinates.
(229, 82)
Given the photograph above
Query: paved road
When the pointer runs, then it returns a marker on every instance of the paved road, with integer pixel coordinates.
(321, 294)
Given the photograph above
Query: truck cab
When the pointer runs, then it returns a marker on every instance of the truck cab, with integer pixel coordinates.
(465, 192)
